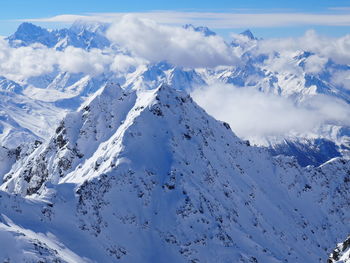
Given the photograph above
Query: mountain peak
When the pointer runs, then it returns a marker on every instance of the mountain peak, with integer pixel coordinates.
(248, 34)
(28, 33)
(27, 27)
(151, 165)
(82, 34)
(202, 29)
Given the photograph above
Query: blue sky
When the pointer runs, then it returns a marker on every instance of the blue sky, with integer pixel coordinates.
(290, 18)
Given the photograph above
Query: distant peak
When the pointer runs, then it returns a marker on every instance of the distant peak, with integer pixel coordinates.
(202, 29)
(303, 54)
(28, 33)
(248, 34)
(109, 92)
(27, 27)
(96, 27)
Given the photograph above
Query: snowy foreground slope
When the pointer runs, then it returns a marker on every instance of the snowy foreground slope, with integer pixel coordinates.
(149, 176)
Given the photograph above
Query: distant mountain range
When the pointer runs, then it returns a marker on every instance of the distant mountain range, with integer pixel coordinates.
(80, 35)
(327, 141)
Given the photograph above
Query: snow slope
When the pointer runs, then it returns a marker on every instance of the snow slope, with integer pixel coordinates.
(149, 176)
(23, 119)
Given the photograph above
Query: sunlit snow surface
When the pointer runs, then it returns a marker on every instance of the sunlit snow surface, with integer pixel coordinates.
(141, 173)
(148, 176)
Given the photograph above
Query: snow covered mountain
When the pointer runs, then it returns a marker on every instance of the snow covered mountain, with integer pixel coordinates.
(23, 119)
(121, 164)
(80, 35)
(148, 176)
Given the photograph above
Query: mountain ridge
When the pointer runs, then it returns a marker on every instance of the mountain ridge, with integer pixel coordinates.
(80, 35)
(170, 182)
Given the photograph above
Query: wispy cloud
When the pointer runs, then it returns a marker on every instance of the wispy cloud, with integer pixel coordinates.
(221, 20)
(252, 113)
(340, 8)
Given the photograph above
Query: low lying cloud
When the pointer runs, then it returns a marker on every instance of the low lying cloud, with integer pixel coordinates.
(24, 62)
(252, 113)
(336, 49)
(341, 78)
(139, 42)
(124, 63)
(76, 60)
(155, 42)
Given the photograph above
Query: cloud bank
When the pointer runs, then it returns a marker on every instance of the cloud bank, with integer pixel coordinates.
(336, 49)
(139, 41)
(155, 42)
(24, 62)
(252, 113)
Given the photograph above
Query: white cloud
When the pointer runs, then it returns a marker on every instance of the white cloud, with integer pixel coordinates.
(23, 62)
(252, 113)
(340, 8)
(341, 78)
(62, 19)
(315, 64)
(336, 49)
(155, 42)
(283, 64)
(123, 63)
(234, 19)
(76, 60)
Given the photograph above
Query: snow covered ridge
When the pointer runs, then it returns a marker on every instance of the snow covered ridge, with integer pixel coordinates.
(79, 35)
(149, 176)
(341, 253)
(139, 172)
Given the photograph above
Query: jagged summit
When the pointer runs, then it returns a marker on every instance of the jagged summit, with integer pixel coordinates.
(28, 33)
(108, 112)
(202, 29)
(29, 28)
(82, 35)
(248, 34)
(147, 175)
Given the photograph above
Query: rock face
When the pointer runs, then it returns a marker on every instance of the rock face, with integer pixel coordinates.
(341, 253)
(149, 176)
